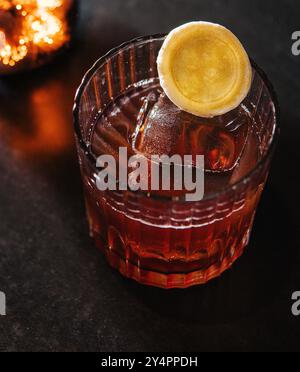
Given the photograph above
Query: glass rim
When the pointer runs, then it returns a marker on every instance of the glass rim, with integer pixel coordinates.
(243, 181)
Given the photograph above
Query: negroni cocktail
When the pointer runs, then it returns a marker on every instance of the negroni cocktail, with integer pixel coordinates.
(157, 237)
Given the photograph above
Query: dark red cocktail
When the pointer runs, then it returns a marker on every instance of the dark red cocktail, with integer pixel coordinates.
(159, 238)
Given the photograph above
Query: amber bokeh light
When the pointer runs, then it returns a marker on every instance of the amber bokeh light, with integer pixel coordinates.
(30, 29)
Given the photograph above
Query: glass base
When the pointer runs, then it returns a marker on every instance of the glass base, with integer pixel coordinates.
(162, 280)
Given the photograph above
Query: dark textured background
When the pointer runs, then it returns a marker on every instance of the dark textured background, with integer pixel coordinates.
(61, 294)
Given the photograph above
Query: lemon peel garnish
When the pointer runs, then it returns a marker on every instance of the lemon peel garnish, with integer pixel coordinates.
(204, 69)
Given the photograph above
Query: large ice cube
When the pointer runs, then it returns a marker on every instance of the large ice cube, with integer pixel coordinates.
(164, 129)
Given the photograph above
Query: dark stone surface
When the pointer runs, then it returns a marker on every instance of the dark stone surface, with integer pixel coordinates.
(61, 295)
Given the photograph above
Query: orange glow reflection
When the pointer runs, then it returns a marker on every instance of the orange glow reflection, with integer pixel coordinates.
(40, 126)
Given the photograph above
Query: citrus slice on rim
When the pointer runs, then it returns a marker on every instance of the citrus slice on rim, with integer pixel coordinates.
(204, 69)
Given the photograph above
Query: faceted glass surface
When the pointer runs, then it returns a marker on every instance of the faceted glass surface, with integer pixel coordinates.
(154, 238)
